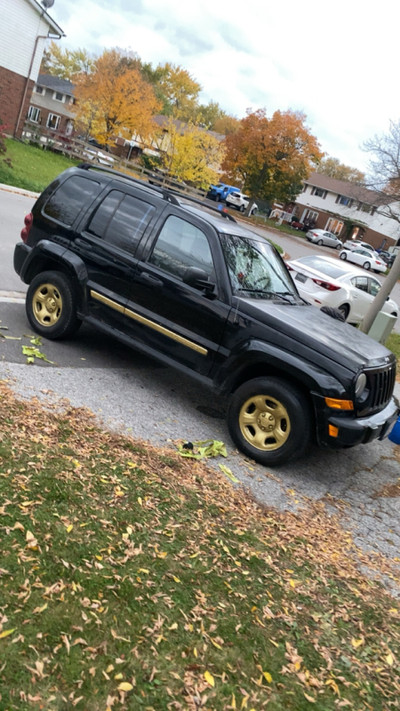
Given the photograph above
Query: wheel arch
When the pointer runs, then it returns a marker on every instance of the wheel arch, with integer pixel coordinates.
(52, 257)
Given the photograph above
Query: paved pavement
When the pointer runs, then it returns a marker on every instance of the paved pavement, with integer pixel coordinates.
(130, 393)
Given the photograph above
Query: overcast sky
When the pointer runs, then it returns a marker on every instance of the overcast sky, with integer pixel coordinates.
(336, 62)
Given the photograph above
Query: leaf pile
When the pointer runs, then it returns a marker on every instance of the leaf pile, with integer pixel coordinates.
(133, 578)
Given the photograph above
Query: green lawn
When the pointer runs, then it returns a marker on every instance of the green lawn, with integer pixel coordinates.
(133, 578)
(31, 168)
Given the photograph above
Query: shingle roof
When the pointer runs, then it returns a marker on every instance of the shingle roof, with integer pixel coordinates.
(347, 189)
(56, 84)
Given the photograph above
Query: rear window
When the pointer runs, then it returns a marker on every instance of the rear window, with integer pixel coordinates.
(70, 198)
(315, 262)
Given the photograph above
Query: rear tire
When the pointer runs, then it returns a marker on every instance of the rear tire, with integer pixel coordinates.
(320, 242)
(366, 265)
(51, 305)
(270, 420)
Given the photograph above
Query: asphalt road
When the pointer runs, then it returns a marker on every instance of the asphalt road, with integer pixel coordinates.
(149, 401)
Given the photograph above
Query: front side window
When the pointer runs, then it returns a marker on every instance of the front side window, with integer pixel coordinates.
(255, 271)
(70, 199)
(181, 245)
(53, 121)
(34, 114)
(121, 220)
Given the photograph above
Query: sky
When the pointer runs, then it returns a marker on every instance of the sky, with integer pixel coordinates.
(335, 62)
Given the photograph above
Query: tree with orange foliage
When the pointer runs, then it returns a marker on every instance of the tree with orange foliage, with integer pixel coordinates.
(113, 99)
(270, 158)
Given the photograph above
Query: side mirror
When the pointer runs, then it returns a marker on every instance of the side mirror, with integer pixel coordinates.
(199, 279)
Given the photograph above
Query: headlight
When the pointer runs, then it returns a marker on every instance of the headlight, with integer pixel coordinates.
(361, 384)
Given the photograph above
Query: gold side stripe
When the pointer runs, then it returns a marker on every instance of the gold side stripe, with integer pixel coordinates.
(146, 322)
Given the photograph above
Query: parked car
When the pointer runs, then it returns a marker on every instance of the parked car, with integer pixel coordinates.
(240, 201)
(324, 281)
(387, 257)
(186, 284)
(357, 244)
(220, 191)
(366, 258)
(322, 237)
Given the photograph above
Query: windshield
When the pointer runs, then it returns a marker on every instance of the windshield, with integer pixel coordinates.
(255, 270)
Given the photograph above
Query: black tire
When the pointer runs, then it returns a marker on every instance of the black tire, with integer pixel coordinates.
(366, 265)
(241, 208)
(344, 310)
(320, 242)
(338, 246)
(269, 420)
(51, 305)
(340, 314)
(343, 256)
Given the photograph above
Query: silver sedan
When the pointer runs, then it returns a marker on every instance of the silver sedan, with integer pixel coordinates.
(322, 237)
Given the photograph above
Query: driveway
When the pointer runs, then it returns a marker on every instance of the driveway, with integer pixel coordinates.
(149, 401)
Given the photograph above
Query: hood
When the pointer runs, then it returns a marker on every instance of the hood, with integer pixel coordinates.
(310, 327)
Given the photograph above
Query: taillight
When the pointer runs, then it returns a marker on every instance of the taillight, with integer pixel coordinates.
(326, 285)
(28, 220)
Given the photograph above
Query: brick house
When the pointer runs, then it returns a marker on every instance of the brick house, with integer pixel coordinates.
(50, 108)
(25, 26)
(348, 210)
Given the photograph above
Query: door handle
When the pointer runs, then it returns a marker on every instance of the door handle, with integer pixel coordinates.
(147, 278)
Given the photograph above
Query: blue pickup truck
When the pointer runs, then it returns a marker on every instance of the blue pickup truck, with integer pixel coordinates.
(220, 191)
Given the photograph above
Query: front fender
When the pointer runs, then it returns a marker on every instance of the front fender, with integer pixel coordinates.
(255, 358)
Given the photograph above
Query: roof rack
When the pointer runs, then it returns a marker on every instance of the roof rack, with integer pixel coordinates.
(203, 203)
(166, 194)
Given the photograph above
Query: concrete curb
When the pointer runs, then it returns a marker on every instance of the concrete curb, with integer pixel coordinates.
(18, 191)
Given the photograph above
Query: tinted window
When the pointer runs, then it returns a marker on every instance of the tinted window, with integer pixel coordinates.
(70, 198)
(181, 245)
(121, 220)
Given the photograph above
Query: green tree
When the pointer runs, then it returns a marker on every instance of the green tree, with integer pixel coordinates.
(270, 158)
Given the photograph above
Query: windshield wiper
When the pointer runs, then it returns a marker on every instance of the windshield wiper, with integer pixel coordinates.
(282, 295)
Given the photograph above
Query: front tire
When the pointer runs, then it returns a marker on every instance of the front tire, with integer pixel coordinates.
(51, 305)
(343, 256)
(269, 420)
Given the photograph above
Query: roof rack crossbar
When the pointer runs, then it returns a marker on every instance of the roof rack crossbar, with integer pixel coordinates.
(166, 194)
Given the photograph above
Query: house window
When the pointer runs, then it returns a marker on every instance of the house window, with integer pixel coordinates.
(39, 89)
(34, 114)
(318, 192)
(334, 226)
(310, 217)
(57, 96)
(343, 200)
(364, 208)
(53, 121)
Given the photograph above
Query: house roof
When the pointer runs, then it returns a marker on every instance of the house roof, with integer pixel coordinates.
(53, 25)
(56, 84)
(181, 126)
(347, 189)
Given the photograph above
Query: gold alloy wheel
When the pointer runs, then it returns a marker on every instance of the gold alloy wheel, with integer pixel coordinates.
(264, 422)
(47, 305)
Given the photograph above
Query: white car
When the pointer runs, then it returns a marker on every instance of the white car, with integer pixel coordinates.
(325, 281)
(366, 258)
(356, 244)
(323, 237)
(240, 201)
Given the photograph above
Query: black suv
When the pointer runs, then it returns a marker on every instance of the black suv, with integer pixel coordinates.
(187, 284)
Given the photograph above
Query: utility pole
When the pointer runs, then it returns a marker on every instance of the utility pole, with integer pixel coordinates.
(380, 298)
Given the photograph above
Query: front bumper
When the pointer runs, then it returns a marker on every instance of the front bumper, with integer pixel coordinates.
(349, 431)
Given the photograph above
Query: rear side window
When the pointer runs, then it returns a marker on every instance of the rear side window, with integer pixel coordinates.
(70, 198)
(121, 220)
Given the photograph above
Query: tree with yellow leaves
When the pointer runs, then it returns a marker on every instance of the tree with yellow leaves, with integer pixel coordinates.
(193, 154)
(113, 99)
(270, 158)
